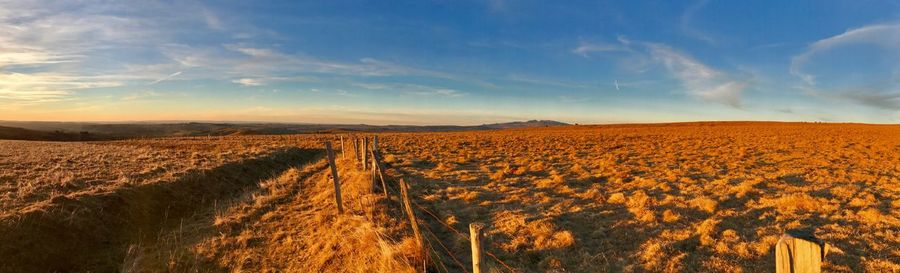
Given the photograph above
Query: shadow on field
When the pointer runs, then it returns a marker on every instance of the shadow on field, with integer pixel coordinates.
(603, 242)
(92, 232)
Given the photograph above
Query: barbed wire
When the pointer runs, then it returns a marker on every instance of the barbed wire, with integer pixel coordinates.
(376, 156)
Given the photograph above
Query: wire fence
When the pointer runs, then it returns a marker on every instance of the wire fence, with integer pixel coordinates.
(810, 251)
(436, 256)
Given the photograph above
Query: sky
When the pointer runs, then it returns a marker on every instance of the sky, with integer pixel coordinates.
(450, 62)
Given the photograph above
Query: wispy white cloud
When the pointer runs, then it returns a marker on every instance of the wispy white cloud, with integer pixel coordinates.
(46, 87)
(22, 56)
(248, 82)
(331, 114)
(427, 91)
(52, 50)
(700, 80)
(345, 93)
(886, 36)
(879, 99)
(531, 79)
(585, 48)
(268, 80)
(879, 89)
(212, 20)
(166, 78)
(686, 25)
(251, 51)
(413, 89)
(270, 64)
(571, 99)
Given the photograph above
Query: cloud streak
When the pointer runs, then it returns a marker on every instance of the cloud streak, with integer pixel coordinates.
(685, 23)
(46, 87)
(248, 82)
(585, 48)
(884, 100)
(413, 89)
(166, 78)
(878, 89)
(51, 51)
(884, 36)
(700, 80)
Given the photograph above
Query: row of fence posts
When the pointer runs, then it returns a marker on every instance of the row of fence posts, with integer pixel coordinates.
(363, 155)
(796, 251)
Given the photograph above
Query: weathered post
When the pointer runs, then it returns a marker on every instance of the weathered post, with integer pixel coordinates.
(799, 252)
(334, 175)
(342, 147)
(374, 142)
(376, 164)
(407, 205)
(476, 234)
(374, 174)
(356, 151)
(365, 148)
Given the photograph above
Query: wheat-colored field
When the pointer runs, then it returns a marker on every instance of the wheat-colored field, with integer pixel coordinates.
(33, 172)
(696, 197)
(707, 197)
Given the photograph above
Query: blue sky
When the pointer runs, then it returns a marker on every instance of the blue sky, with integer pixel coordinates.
(450, 62)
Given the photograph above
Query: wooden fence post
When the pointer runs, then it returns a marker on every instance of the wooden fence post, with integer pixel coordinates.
(374, 142)
(799, 252)
(376, 164)
(356, 151)
(374, 174)
(334, 175)
(407, 205)
(365, 151)
(476, 234)
(342, 147)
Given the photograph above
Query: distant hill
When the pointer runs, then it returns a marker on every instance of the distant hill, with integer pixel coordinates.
(69, 131)
(14, 133)
(525, 124)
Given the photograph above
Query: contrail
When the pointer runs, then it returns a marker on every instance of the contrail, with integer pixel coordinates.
(165, 78)
(617, 84)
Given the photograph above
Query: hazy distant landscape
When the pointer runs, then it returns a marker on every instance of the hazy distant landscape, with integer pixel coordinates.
(84, 131)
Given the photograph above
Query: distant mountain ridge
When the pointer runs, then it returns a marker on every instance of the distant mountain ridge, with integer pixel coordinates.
(525, 124)
(65, 131)
(14, 133)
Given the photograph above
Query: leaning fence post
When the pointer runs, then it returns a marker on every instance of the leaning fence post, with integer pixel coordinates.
(407, 205)
(476, 234)
(799, 252)
(334, 175)
(376, 164)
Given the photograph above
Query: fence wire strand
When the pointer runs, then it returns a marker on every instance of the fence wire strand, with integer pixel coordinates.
(449, 227)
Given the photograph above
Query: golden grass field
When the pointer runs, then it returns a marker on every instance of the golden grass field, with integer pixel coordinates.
(694, 197)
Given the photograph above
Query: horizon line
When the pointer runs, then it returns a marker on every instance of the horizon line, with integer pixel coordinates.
(428, 125)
